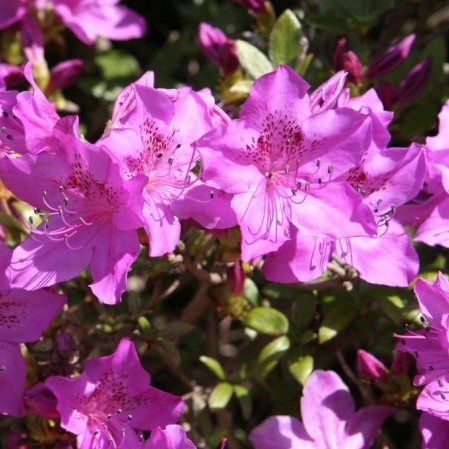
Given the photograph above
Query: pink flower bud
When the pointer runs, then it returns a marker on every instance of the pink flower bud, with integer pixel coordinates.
(64, 74)
(257, 6)
(237, 279)
(401, 363)
(414, 83)
(388, 93)
(41, 401)
(390, 59)
(218, 48)
(11, 76)
(369, 366)
(345, 59)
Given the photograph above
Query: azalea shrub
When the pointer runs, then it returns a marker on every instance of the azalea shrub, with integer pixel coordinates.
(224, 224)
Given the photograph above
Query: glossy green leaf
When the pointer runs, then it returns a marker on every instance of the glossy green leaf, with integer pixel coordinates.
(336, 318)
(220, 396)
(251, 292)
(214, 366)
(284, 39)
(267, 320)
(270, 355)
(252, 59)
(244, 398)
(301, 368)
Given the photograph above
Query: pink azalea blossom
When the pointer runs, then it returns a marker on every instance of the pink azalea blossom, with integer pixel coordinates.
(434, 431)
(90, 215)
(280, 160)
(111, 400)
(329, 420)
(155, 139)
(27, 119)
(91, 19)
(23, 317)
(11, 12)
(430, 345)
(172, 437)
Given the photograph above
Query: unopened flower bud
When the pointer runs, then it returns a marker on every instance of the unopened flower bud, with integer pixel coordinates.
(369, 366)
(41, 401)
(64, 74)
(401, 363)
(391, 59)
(388, 93)
(218, 48)
(256, 6)
(347, 60)
(415, 82)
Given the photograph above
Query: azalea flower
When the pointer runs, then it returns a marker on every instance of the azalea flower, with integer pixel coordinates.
(430, 345)
(329, 420)
(27, 119)
(155, 139)
(111, 400)
(172, 437)
(24, 316)
(434, 431)
(89, 215)
(280, 160)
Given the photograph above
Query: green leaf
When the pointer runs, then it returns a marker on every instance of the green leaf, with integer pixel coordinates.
(244, 398)
(143, 323)
(252, 59)
(303, 312)
(251, 292)
(214, 366)
(337, 318)
(301, 368)
(284, 39)
(220, 396)
(270, 355)
(267, 320)
(117, 64)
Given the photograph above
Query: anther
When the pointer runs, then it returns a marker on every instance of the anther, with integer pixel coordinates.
(330, 169)
(95, 433)
(159, 155)
(9, 137)
(5, 114)
(119, 410)
(109, 416)
(178, 146)
(130, 417)
(307, 186)
(318, 163)
(170, 160)
(320, 180)
(440, 383)
(443, 396)
(287, 169)
(61, 189)
(212, 194)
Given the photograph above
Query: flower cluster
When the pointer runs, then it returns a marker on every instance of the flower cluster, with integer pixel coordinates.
(303, 186)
